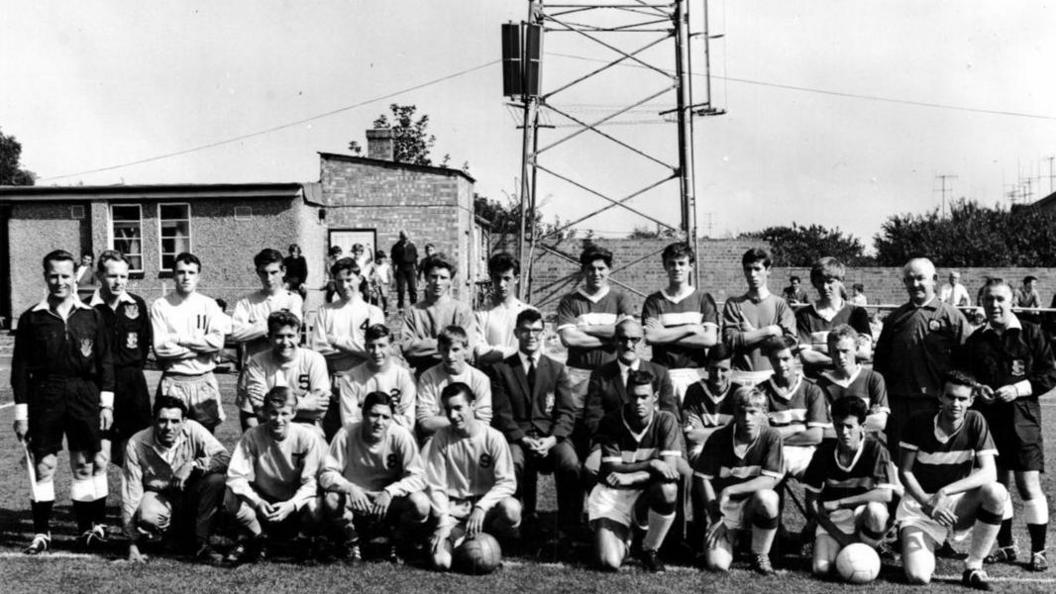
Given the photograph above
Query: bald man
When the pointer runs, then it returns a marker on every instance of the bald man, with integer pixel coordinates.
(917, 346)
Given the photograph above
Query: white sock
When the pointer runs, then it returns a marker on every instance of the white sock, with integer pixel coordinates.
(1036, 511)
(82, 490)
(100, 486)
(658, 528)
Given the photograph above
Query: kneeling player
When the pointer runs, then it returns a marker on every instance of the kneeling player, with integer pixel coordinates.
(640, 448)
(950, 478)
(271, 479)
(469, 473)
(734, 479)
(373, 477)
(847, 481)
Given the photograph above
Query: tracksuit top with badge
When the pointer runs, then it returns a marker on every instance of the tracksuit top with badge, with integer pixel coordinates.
(396, 381)
(262, 467)
(868, 470)
(622, 445)
(704, 410)
(249, 321)
(917, 346)
(697, 307)
(130, 331)
(718, 461)
(801, 403)
(50, 348)
(343, 324)
(940, 462)
(393, 464)
(477, 467)
(579, 310)
(305, 374)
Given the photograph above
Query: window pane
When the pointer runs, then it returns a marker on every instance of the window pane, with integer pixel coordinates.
(174, 211)
(127, 233)
(125, 212)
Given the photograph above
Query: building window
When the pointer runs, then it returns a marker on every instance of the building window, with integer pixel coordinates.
(174, 221)
(126, 232)
(77, 212)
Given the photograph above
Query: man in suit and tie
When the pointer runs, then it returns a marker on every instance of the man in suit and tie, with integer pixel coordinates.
(607, 390)
(532, 399)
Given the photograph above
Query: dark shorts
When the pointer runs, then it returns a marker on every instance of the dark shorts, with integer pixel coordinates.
(131, 404)
(67, 407)
(1016, 429)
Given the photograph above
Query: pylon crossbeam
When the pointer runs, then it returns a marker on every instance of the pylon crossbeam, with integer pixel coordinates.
(612, 138)
(614, 48)
(602, 120)
(615, 62)
(614, 281)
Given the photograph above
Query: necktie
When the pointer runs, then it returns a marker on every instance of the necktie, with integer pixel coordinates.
(531, 376)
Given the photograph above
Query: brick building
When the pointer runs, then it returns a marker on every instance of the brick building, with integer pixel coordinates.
(358, 200)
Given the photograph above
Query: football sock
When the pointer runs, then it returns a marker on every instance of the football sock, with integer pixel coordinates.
(42, 516)
(101, 491)
(763, 532)
(987, 524)
(1004, 534)
(659, 524)
(82, 492)
(1036, 514)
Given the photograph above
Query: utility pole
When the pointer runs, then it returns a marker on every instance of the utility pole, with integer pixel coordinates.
(942, 178)
(1052, 173)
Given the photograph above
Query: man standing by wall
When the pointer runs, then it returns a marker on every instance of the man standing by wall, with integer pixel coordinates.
(405, 261)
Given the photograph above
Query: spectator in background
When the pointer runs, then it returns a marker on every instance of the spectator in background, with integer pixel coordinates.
(382, 279)
(84, 270)
(405, 262)
(954, 292)
(296, 270)
(858, 295)
(1028, 297)
(332, 257)
(430, 251)
(360, 255)
(793, 293)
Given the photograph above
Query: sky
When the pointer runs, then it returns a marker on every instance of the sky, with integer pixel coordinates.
(826, 119)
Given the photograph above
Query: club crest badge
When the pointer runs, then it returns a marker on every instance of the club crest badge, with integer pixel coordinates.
(934, 325)
(86, 347)
(1019, 367)
(549, 402)
(132, 340)
(132, 310)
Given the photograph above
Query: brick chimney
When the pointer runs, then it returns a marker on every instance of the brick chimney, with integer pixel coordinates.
(380, 144)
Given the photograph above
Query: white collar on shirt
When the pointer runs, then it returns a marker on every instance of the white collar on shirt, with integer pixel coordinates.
(77, 304)
(97, 298)
(526, 360)
(786, 394)
(680, 297)
(596, 297)
(1013, 324)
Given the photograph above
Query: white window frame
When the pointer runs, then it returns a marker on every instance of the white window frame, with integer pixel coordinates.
(110, 232)
(190, 233)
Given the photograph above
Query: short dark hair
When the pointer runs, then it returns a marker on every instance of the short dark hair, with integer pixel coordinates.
(794, 279)
(278, 397)
(450, 334)
(640, 377)
(756, 254)
(1028, 278)
(849, 406)
(775, 344)
(294, 246)
(378, 397)
(335, 250)
(595, 252)
(376, 331)
(169, 402)
(858, 287)
(679, 249)
(57, 256)
(528, 314)
(719, 352)
(267, 256)
(186, 258)
(457, 389)
(995, 281)
(345, 264)
(501, 262)
(109, 256)
(959, 378)
(380, 255)
(439, 260)
(281, 319)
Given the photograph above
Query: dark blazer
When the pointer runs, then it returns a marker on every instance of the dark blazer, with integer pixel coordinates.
(606, 392)
(517, 413)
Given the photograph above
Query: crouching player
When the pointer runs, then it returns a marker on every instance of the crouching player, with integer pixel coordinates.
(950, 478)
(373, 478)
(797, 406)
(640, 447)
(848, 482)
(734, 480)
(470, 476)
(173, 478)
(708, 405)
(271, 480)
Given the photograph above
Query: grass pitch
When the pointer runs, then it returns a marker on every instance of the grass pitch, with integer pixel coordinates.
(529, 569)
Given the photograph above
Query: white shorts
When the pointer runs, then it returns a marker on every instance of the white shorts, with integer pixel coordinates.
(845, 519)
(911, 513)
(683, 378)
(797, 458)
(613, 504)
(733, 514)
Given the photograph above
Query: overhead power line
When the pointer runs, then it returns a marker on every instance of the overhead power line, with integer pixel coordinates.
(280, 126)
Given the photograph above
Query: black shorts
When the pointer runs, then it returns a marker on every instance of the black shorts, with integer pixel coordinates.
(67, 407)
(1016, 429)
(131, 404)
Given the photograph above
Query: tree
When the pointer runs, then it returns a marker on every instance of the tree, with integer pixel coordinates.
(411, 139)
(11, 172)
(801, 246)
(972, 235)
(504, 220)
